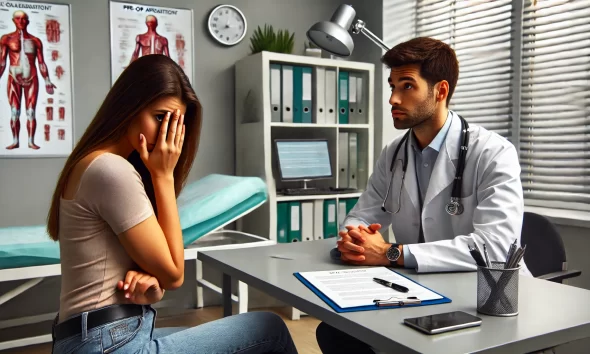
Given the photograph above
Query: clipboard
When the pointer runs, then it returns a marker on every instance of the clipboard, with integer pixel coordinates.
(338, 309)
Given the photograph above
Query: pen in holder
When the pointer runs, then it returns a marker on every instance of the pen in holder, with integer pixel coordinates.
(497, 290)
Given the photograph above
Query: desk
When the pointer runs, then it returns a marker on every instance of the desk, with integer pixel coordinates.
(549, 313)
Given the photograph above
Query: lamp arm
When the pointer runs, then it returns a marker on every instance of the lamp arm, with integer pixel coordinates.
(359, 27)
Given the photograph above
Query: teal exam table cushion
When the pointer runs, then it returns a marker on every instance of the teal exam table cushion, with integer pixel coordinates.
(203, 206)
(214, 200)
(26, 246)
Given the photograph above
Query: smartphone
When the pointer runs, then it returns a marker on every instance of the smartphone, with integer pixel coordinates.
(443, 322)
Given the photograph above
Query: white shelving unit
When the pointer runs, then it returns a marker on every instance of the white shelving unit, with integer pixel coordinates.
(255, 132)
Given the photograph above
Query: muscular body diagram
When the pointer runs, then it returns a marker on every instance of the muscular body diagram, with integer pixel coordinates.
(23, 50)
(150, 42)
(180, 50)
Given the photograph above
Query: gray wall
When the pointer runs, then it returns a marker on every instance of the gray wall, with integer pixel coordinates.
(367, 51)
(26, 185)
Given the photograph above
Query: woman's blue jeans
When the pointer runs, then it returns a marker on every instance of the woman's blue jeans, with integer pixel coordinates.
(252, 332)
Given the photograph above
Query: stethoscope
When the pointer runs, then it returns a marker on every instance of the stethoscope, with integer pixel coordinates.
(454, 207)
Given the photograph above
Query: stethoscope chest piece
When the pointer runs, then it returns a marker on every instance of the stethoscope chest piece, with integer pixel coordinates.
(454, 207)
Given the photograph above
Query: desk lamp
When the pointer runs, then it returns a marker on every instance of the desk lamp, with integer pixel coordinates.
(332, 36)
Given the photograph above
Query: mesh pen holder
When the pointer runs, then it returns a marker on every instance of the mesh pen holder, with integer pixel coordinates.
(497, 290)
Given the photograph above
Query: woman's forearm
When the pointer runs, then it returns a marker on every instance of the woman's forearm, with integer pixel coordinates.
(169, 220)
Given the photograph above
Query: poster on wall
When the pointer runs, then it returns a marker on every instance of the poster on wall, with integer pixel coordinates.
(36, 100)
(138, 30)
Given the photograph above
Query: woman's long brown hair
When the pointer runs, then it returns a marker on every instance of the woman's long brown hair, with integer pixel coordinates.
(141, 83)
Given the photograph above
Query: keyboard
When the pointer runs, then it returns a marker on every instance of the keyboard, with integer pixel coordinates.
(316, 191)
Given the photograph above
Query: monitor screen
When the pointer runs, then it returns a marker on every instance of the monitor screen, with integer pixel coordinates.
(303, 159)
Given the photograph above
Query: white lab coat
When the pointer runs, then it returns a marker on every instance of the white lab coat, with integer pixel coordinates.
(492, 199)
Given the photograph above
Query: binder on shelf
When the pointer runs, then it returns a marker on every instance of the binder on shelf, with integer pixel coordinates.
(350, 203)
(318, 219)
(297, 94)
(287, 93)
(330, 222)
(343, 148)
(341, 210)
(361, 99)
(362, 165)
(319, 94)
(306, 104)
(282, 222)
(343, 97)
(352, 160)
(352, 98)
(307, 221)
(331, 97)
(294, 234)
(275, 92)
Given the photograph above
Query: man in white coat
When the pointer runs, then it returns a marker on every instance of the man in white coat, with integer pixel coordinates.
(424, 73)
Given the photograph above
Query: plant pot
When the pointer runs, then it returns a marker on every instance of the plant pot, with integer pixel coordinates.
(313, 52)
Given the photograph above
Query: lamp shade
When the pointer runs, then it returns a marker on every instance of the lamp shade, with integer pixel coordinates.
(333, 36)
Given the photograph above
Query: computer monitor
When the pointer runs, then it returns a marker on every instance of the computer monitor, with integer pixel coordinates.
(303, 159)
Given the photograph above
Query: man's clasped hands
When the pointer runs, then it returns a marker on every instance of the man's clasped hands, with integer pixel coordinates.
(363, 245)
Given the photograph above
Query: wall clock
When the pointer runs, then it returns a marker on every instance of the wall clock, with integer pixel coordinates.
(227, 24)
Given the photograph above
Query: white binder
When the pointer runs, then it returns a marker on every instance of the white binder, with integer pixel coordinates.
(307, 221)
(331, 98)
(361, 99)
(343, 159)
(287, 93)
(319, 88)
(318, 219)
(341, 211)
(306, 96)
(275, 92)
(352, 99)
(352, 160)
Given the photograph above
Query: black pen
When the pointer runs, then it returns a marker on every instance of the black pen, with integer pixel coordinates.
(389, 284)
(477, 257)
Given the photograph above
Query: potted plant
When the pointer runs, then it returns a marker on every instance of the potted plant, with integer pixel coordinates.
(267, 39)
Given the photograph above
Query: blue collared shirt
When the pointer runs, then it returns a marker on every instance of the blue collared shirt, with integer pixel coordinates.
(424, 162)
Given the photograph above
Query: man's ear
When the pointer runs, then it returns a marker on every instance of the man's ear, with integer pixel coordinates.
(442, 91)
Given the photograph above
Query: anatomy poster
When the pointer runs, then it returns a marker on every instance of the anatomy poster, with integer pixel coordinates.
(35, 80)
(138, 30)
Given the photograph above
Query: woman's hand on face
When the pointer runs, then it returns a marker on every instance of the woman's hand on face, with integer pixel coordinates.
(163, 158)
(141, 288)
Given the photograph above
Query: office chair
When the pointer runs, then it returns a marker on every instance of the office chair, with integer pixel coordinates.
(545, 252)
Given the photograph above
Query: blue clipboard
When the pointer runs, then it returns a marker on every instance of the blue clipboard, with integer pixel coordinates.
(339, 309)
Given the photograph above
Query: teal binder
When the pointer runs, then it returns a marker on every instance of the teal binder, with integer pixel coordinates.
(306, 95)
(297, 94)
(339, 309)
(350, 203)
(330, 222)
(294, 215)
(343, 97)
(282, 222)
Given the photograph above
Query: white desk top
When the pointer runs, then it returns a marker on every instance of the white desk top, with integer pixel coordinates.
(549, 313)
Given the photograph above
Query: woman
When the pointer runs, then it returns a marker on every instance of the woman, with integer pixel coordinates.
(120, 237)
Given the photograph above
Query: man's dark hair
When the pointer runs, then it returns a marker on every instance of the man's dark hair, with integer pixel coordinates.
(437, 60)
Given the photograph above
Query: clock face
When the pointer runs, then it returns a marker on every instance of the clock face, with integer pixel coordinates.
(227, 24)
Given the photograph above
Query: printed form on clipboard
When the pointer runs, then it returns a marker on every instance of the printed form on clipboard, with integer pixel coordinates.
(355, 288)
